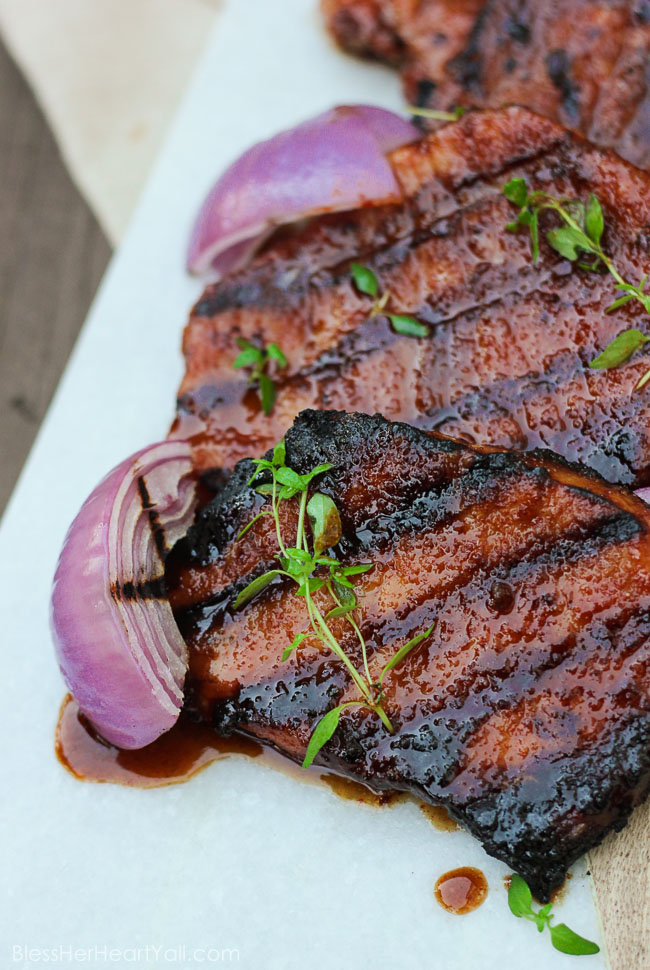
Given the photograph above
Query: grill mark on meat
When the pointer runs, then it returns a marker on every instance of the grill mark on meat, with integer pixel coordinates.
(466, 68)
(585, 63)
(382, 536)
(558, 66)
(507, 359)
(556, 680)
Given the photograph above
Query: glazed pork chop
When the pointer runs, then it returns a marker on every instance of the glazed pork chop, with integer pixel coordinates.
(506, 361)
(526, 712)
(585, 63)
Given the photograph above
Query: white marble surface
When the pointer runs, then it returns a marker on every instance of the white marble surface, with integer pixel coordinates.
(242, 857)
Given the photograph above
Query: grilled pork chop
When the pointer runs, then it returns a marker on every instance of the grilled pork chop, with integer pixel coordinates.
(526, 713)
(507, 358)
(585, 63)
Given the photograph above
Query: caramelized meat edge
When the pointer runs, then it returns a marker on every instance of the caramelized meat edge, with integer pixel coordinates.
(584, 63)
(507, 358)
(526, 713)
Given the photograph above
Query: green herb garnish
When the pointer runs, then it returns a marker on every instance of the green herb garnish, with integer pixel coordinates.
(312, 571)
(520, 901)
(408, 326)
(436, 115)
(367, 283)
(620, 349)
(365, 280)
(578, 238)
(258, 359)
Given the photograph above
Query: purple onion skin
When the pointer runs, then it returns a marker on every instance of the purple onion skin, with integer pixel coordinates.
(122, 657)
(331, 163)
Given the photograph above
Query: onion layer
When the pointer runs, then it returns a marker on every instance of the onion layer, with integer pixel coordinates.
(118, 646)
(644, 493)
(330, 163)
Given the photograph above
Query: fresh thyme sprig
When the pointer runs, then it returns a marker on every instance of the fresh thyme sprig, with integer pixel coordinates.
(436, 115)
(258, 359)
(312, 571)
(520, 901)
(366, 282)
(581, 233)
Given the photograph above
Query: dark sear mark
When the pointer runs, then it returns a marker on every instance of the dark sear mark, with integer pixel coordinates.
(558, 65)
(525, 713)
(517, 29)
(425, 90)
(510, 342)
(581, 62)
(154, 521)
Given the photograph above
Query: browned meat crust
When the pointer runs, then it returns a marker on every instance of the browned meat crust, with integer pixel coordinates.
(507, 359)
(418, 36)
(526, 713)
(585, 63)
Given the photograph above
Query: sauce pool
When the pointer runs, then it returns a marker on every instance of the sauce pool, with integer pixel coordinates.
(439, 817)
(178, 755)
(189, 747)
(173, 758)
(461, 890)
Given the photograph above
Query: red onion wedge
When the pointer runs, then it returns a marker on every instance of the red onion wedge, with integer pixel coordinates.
(644, 493)
(330, 163)
(119, 649)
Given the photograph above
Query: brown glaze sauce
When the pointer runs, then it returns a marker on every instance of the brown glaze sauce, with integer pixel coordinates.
(179, 755)
(461, 890)
(173, 758)
(439, 817)
(184, 751)
(354, 791)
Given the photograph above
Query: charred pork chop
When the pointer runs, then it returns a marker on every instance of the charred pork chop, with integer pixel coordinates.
(506, 361)
(585, 63)
(526, 712)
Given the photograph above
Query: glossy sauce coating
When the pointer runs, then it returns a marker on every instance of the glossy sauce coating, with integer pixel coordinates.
(181, 753)
(583, 63)
(175, 757)
(506, 362)
(536, 577)
(461, 890)
(439, 817)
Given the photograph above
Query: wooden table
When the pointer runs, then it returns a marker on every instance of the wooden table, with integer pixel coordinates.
(52, 257)
(621, 872)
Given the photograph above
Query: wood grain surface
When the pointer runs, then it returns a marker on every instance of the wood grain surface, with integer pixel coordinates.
(621, 872)
(52, 257)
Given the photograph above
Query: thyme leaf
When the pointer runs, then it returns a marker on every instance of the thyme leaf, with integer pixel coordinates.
(520, 901)
(620, 349)
(408, 326)
(566, 941)
(435, 115)
(295, 643)
(257, 359)
(325, 522)
(257, 585)
(581, 230)
(404, 650)
(365, 280)
(324, 731)
(368, 284)
(313, 572)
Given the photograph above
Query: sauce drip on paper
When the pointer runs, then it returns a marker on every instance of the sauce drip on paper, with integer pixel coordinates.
(461, 890)
(184, 751)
